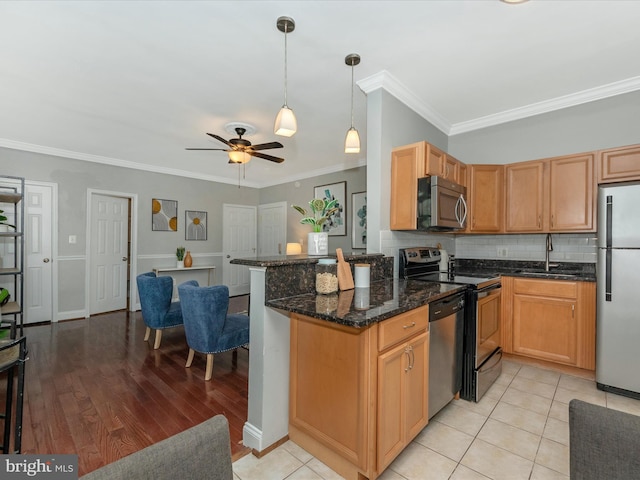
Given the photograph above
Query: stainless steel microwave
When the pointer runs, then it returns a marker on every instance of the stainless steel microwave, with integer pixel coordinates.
(442, 205)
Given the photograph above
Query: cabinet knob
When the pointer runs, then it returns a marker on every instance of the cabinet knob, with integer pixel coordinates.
(45, 260)
(124, 259)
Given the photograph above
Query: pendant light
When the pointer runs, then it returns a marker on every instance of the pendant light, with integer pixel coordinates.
(352, 141)
(286, 124)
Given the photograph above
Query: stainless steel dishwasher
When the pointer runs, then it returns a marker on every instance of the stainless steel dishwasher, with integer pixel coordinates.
(446, 325)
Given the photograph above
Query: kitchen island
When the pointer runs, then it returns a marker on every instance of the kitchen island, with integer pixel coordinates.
(351, 405)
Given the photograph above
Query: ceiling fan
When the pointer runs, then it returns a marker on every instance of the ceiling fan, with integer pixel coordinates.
(240, 150)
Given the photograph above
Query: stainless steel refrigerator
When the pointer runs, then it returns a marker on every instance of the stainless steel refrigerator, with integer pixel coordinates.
(618, 298)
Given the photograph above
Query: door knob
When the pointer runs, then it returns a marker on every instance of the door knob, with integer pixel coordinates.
(124, 259)
(228, 256)
(46, 260)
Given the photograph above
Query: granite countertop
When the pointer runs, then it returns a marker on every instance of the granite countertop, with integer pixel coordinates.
(282, 260)
(387, 298)
(582, 272)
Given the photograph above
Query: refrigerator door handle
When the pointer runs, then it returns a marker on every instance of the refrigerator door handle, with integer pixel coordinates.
(607, 278)
(609, 234)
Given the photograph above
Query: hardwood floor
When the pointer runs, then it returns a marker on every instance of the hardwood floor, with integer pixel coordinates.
(95, 388)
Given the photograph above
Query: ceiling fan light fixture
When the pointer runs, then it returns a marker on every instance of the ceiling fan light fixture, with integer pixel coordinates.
(238, 156)
(352, 140)
(286, 124)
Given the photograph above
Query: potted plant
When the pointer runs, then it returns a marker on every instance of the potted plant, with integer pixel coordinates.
(4, 219)
(180, 255)
(320, 211)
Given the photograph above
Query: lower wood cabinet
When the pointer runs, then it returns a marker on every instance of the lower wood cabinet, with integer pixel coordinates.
(551, 320)
(358, 397)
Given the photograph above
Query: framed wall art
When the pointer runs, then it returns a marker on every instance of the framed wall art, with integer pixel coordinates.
(359, 220)
(164, 215)
(337, 222)
(195, 225)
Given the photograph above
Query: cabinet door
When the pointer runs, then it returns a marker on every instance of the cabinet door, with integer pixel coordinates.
(434, 160)
(392, 366)
(417, 389)
(524, 190)
(486, 198)
(571, 193)
(407, 164)
(619, 164)
(462, 175)
(450, 168)
(402, 396)
(545, 327)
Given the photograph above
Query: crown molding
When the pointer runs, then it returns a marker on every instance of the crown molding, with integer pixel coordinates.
(115, 162)
(392, 85)
(558, 103)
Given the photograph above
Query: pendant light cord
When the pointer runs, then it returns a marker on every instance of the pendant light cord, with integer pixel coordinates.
(351, 94)
(285, 65)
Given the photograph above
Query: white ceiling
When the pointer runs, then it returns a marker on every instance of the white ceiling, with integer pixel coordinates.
(135, 82)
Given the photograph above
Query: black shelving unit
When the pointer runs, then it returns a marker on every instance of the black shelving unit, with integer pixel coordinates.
(11, 201)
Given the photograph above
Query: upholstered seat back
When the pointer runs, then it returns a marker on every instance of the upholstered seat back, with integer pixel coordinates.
(207, 326)
(155, 299)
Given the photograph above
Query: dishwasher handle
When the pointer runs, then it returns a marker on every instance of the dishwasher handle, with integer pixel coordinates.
(446, 307)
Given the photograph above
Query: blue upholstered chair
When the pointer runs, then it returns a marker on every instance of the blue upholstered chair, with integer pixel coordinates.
(158, 312)
(207, 326)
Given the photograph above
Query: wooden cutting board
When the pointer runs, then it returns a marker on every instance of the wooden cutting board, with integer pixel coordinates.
(345, 279)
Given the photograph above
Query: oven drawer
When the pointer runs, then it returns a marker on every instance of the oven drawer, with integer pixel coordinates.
(401, 327)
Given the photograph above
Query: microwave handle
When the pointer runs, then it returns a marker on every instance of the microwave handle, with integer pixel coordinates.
(461, 210)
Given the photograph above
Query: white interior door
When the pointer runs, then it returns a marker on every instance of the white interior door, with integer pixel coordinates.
(272, 229)
(109, 253)
(239, 241)
(38, 253)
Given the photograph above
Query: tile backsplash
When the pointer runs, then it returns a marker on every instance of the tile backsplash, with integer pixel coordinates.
(567, 247)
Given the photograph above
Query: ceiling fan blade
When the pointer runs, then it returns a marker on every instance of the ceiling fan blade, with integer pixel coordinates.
(220, 139)
(266, 146)
(219, 149)
(265, 156)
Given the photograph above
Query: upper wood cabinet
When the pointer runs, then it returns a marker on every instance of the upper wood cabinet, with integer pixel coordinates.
(619, 164)
(524, 193)
(407, 165)
(552, 195)
(572, 193)
(485, 194)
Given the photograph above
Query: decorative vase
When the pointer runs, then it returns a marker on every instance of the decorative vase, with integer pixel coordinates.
(180, 263)
(317, 243)
(188, 261)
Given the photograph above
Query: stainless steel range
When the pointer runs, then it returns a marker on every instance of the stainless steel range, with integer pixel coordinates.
(482, 353)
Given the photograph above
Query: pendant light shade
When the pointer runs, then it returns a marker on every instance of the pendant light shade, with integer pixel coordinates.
(352, 141)
(285, 124)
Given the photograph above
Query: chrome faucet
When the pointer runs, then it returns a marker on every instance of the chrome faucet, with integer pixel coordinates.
(548, 249)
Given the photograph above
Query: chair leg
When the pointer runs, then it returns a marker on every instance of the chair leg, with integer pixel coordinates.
(156, 345)
(147, 333)
(209, 371)
(190, 358)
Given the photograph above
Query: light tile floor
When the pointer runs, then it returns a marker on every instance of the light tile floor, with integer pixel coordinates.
(519, 430)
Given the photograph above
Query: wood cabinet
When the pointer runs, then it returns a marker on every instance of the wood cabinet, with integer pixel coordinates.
(619, 164)
(524, 193)
(572, 193)
(358, 397)
(551, 320)
(552, 195)
(407, 166)
(410, 162)
(485, 195)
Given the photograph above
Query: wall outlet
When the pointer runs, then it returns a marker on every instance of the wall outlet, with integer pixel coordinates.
(503, 252)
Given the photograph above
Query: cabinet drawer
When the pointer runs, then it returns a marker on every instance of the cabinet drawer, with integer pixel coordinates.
(402, 326)
(551, 288)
